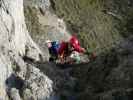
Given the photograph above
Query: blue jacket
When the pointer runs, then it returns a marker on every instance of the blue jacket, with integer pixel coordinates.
(55, 47)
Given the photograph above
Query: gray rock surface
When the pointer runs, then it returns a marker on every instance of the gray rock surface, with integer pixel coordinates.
(39, 83)
(43, 24)
(15, 94)
(15, 44)
(24, 77)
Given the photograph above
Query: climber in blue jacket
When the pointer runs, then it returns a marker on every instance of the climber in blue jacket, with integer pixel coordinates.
(53, 47)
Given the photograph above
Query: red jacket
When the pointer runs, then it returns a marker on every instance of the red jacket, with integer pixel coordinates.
(63, 47)
(75, 44)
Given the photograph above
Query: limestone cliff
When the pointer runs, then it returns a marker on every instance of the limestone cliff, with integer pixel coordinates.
(15, 44)
(24, 75)
(43, 24)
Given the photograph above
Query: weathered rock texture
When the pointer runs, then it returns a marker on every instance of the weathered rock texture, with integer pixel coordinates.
(44, 24)
(22, 77)
(16, 44)
(109, 77)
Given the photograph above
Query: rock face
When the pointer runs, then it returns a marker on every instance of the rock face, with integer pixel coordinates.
(15, 44)
(24, 77)
(109, 77)
(43, 24)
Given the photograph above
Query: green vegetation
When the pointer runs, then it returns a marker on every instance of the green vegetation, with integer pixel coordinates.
(14, 67)
(32, 21)
(98, 23)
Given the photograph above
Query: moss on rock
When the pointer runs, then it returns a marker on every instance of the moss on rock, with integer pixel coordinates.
(32, 21)
(98, 23)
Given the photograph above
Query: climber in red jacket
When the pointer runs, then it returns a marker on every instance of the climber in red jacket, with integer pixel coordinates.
(66, 48)
(76, 45)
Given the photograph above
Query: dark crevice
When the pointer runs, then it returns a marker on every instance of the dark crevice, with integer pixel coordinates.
(53, 4)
